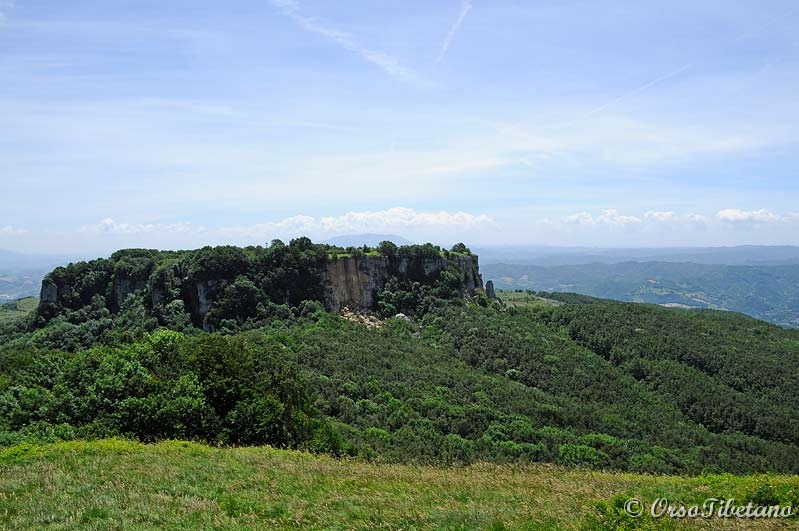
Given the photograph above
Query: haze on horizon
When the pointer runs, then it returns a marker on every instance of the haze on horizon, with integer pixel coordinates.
(604, 123)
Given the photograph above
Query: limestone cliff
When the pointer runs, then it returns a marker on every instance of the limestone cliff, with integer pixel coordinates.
(224, 278)
(350, 282)
(354, 283)
(49, 293)
(123, 287)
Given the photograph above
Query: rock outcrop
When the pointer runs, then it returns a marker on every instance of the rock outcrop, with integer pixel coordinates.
(49, 293)
(490, 292)
(354, 283)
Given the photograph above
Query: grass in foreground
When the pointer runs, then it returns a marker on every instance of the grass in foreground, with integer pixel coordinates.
(115, 484)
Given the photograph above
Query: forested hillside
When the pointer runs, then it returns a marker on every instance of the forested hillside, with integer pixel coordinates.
(570, 379)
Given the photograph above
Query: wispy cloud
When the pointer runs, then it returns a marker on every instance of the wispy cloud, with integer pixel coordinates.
(5, 8)
(465, 7)
(389, 64)
(626, 140)
(728, 218)
(109, 226)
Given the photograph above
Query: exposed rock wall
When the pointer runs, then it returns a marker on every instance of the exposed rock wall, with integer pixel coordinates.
(49, 293)
(490, 292)
(354, 283)
(124, 287)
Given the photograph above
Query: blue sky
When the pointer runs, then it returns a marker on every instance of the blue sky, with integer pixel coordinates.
(184, 123)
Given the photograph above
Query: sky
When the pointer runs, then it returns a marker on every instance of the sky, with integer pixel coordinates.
(494, 122)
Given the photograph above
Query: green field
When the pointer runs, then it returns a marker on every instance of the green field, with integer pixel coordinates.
(18, 308)
(523, 298)
(117, 484)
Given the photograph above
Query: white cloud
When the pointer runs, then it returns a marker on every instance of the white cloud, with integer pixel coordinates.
(109, 226)
(728, 216)
(735, 215)
(397, 218)
(660, 216)
(11, 229)
(668, 227)
(609, 216)
(580, 218)
(390, 65)
(612, 217)
(465, 6)
(294, 225)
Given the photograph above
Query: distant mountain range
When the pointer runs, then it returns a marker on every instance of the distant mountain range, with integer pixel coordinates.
(770, 293)
(21, 273)
(11, 260)
(551, 256)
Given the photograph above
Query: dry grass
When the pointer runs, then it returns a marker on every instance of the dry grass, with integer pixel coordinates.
(123, 485)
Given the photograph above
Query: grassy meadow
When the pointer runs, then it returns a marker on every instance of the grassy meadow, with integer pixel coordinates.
(118, 484)
(520, 298)
(18, 309)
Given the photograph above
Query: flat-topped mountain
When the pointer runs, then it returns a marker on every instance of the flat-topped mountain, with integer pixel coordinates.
(214, 284)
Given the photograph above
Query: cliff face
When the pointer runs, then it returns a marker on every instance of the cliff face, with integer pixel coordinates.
(125, 286)
(49, 293)
(354, 283)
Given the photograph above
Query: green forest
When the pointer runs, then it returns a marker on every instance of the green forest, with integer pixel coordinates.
(457, 379)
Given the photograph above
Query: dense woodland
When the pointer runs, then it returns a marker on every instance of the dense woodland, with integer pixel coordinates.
(565, 379)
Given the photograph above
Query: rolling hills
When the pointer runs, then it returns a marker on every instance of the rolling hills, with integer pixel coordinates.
(770, 293)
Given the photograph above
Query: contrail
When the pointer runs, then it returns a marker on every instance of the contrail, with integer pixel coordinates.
(389, 64)
(466, 5)
(742, 36)
(637, 90)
